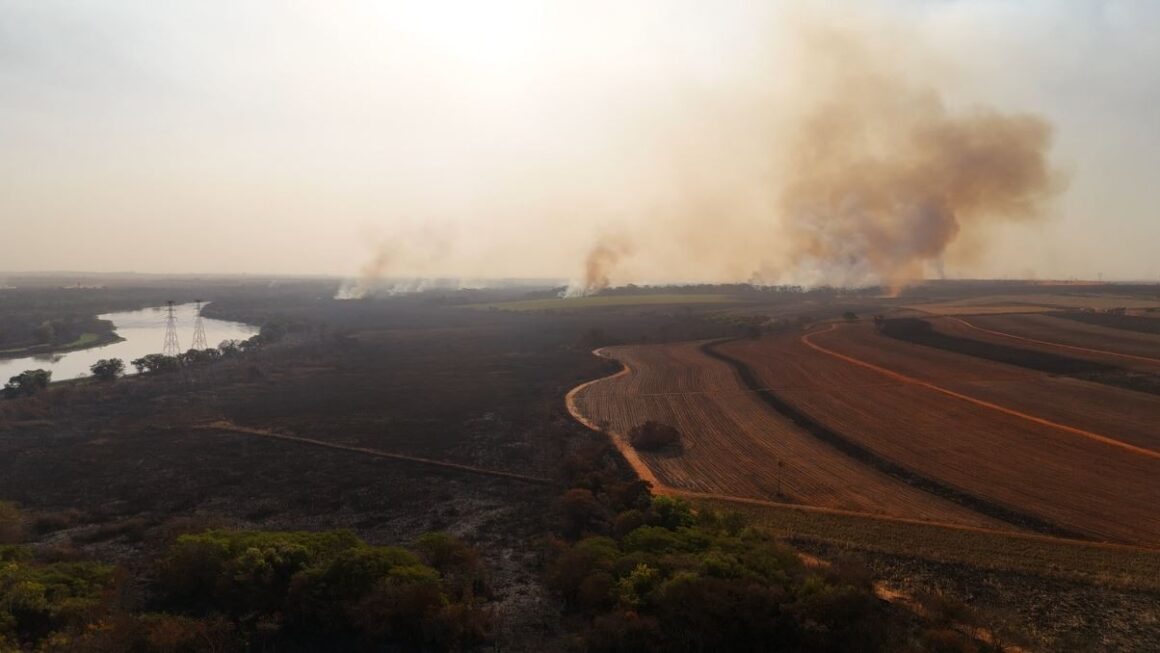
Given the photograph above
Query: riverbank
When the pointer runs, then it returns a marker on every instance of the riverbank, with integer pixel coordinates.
(85, 341)
(132, 335)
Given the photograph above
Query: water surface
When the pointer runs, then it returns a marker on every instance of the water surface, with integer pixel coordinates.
(143, 332)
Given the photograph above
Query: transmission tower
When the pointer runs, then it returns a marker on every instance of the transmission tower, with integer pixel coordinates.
(171, 348)
(199, 342)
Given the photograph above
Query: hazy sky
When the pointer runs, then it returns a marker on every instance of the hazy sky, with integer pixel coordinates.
(507, 138)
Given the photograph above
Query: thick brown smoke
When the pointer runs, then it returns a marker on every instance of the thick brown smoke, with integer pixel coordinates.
(883, 177)
(600, 264)
(841, 152)
(878, 175)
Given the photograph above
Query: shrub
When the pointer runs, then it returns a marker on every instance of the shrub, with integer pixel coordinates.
(627, 521)
(580, 511)
(654, 436)
(230, 568)
(671, 513)
(330, 585)
(11, 524)
(108, 369)
(27, 383)
(151, 633)
(625, 632)
(456, 561)
(40, 600)
(702, 581)
(156, 363)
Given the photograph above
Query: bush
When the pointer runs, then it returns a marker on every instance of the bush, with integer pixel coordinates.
(27, 383)
(11, 524)
(330, 585)
(675, 579)
(581, 512)
(38, 601)
(654, 436)
(108, 369)
(152, 633)
(457, 562)
(240, 571)
(671, 513)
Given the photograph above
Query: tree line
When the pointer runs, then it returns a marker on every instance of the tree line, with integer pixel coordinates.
(236, 590)
(29, 382)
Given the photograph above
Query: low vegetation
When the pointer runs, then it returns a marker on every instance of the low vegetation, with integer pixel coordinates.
(247, 590)
(27, 383)
(41, 601)
(328, 586)
(654, 436)
(107, 369)
(25, 334)
(644, 573)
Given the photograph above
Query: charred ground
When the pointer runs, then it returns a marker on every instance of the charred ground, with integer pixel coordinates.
(115, 471)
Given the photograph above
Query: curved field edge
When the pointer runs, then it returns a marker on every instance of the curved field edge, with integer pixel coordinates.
(1115, 565)
(629, 454)
(647, 474)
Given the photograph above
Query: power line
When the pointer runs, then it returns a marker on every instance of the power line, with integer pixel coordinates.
(199, 342)
(171, 346)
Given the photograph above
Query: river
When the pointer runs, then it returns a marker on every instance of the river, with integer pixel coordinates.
(143, 332)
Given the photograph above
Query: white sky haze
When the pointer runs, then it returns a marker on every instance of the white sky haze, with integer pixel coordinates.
(505, 138)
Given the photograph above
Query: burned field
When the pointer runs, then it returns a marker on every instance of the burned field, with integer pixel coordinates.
(398, 417)
(944, 435)
(389, 418)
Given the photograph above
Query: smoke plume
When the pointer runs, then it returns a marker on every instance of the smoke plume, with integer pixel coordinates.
(599, 266)
(410, 254)
(883, 177)
(838, 150)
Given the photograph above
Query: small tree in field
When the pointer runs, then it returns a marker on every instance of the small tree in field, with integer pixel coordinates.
(654, 436)
(108, 369)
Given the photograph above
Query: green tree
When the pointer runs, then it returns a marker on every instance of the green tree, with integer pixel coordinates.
(108, 369)
(27, 383)
(153, 363)
(230, 348)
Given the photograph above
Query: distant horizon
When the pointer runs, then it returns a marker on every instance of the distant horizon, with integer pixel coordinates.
(9, 274)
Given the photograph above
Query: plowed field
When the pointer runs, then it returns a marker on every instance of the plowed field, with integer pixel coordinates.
(1107, 410)
(1023, 443)
(1047, 333)
(732, 442)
